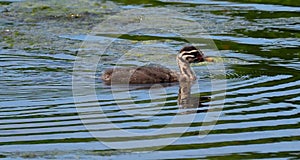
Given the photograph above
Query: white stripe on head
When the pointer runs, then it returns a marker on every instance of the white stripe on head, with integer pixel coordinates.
(183, 52)
(187, 56)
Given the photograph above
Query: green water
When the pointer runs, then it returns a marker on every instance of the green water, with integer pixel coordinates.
(54, 106)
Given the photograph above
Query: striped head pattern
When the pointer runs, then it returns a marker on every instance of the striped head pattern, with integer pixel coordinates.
(191, 54)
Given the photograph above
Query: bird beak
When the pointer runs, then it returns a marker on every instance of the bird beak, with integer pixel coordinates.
(208, 59)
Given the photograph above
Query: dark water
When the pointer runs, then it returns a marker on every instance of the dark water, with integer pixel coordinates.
(53, 105)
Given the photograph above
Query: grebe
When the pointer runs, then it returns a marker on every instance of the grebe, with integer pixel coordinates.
(157, 73)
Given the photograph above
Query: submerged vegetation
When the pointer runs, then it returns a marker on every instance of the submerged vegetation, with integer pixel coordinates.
(37, 25)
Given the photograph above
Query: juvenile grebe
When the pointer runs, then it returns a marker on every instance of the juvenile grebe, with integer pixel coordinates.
(157, 73)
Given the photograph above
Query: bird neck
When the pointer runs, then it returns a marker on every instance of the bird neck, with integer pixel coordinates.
(186, 73)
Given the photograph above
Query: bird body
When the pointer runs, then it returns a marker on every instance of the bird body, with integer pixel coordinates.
(140, 75)
(156, 73)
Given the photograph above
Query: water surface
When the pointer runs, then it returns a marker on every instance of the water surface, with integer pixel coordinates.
(257, 43)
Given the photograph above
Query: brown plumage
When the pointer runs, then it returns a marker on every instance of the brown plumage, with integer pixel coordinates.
(139, 75)
(156, 73)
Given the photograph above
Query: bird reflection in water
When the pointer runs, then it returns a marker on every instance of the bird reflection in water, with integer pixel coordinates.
(188, 101)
